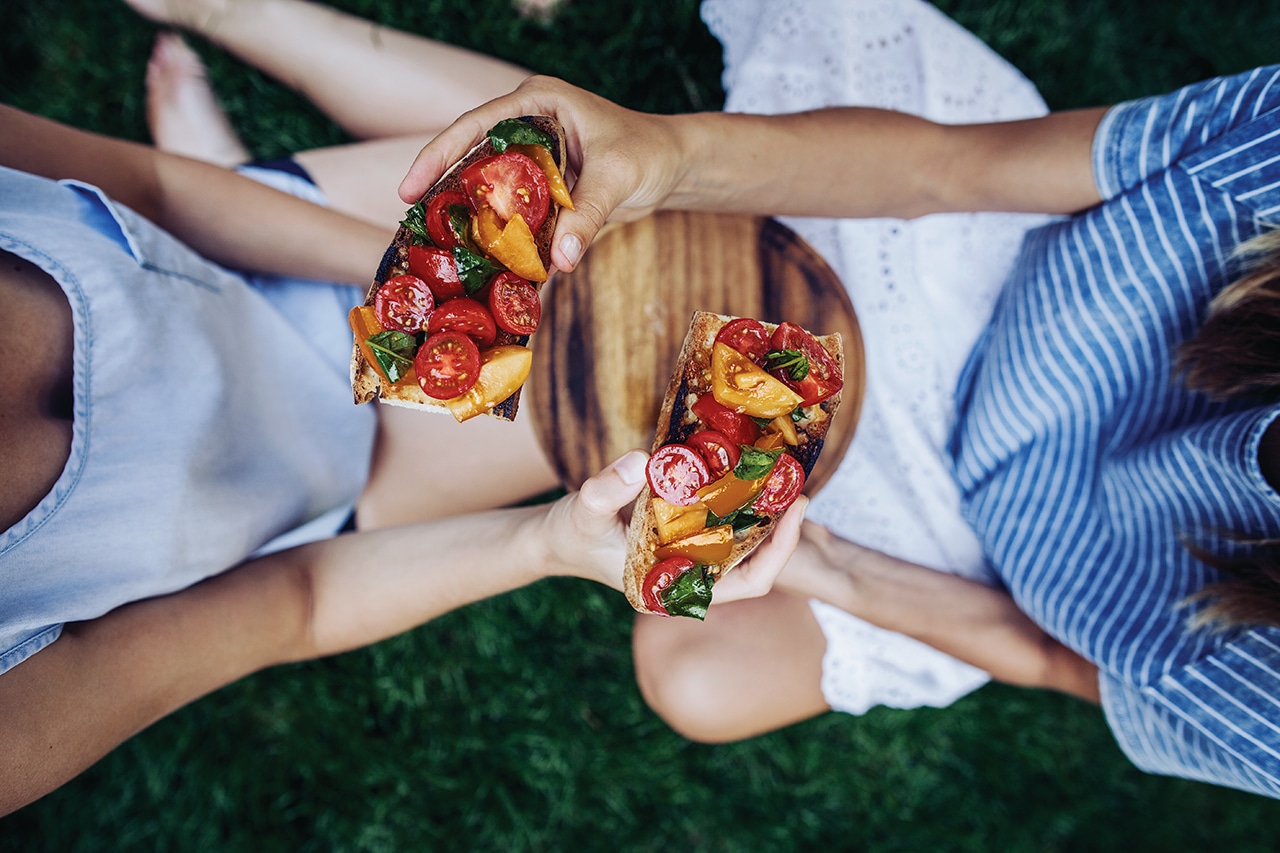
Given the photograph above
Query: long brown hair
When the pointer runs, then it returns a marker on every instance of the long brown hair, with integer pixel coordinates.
(1237, 353)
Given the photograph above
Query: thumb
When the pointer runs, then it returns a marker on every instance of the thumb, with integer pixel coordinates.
(602, 496)
(576, 228)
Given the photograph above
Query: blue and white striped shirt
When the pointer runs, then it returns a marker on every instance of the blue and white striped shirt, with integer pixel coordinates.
(1083, 461)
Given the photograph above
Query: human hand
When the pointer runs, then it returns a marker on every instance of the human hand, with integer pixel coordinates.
(625, 162)
(587, 538)
(755, 576)
(584, 532)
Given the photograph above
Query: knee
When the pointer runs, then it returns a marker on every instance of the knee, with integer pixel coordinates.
(678, 681)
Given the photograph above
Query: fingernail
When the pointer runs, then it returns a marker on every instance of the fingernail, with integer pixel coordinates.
(631, 467)
(571, 248)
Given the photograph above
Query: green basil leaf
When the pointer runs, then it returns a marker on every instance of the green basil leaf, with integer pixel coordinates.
(714, 520)
(513, 131)
(797, 414)
(474, 269)
(762, 422)
(415, 219)
(460, 220)
(755, 463)
(794, 362)
(744, 520)
(394, 351)
(690, 595)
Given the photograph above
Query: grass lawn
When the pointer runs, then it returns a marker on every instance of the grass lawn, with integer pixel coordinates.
(515, 724)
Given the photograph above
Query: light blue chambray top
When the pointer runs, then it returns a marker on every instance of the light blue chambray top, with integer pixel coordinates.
(1082, 459)
(212, 416)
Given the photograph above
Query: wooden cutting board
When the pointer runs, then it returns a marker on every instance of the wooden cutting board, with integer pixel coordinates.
(612, 329)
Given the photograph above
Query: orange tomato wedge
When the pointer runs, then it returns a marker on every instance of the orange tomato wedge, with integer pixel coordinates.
(502, 371)
(737, 383)
(771, 441)
(542, 156)
(364, 325)
(708, 547)
(486, 228)
(516, 250)
(728, 493)
(676, 522)
(784, 426)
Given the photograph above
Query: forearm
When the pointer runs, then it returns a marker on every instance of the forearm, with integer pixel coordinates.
(223, 215)
(145, 660)
(861, 162)
(968, 620)
(369, 586)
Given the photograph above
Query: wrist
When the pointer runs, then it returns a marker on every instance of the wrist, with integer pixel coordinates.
(702, 176)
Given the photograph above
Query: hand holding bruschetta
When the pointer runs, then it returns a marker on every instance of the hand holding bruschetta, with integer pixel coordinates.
(846, 162)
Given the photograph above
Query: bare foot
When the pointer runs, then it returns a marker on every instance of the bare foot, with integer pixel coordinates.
(182, 112)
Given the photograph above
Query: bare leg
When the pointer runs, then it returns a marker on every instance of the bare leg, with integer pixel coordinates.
(182, 112)
(751, 667)
(430, 466)
(373, 81)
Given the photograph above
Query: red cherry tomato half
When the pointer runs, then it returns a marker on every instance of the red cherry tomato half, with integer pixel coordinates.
(747, 336)
(438, 269)
(735, 426)
(467, 316)
(439, 225)
(782, 486)
(514, 303)
(823, 379)
(404, 302)
(510, 183)
(659, 578)
(720, 454)
(447, 365)
(676, 472)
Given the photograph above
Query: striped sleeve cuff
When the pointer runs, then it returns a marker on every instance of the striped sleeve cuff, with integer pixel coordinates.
(1217, 720)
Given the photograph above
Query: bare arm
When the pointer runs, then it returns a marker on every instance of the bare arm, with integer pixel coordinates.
(224, 216)
(145, 660)
(967, 620)
(840, 162)
(858, 162)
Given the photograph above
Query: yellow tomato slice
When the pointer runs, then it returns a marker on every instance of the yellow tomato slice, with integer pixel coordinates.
(542, 156)
(708, 547)
(676, 522)
(517, 251)
(502, 371)
(737, 383)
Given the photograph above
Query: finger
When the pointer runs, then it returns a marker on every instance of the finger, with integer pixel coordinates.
(602, 496)
(454, 142)
(756, 577)
(575, 229)
(448, 147)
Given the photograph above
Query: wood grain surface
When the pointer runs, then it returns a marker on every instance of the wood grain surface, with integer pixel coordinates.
(612, 329)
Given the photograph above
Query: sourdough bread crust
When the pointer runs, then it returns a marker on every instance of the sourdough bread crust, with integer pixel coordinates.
(366, 384)
(690, 379)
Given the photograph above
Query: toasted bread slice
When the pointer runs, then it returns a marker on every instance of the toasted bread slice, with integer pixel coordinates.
(366, 382)
(692, 378)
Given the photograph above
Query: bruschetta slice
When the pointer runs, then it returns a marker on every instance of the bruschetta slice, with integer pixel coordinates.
(741, 427)
(445, 324)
